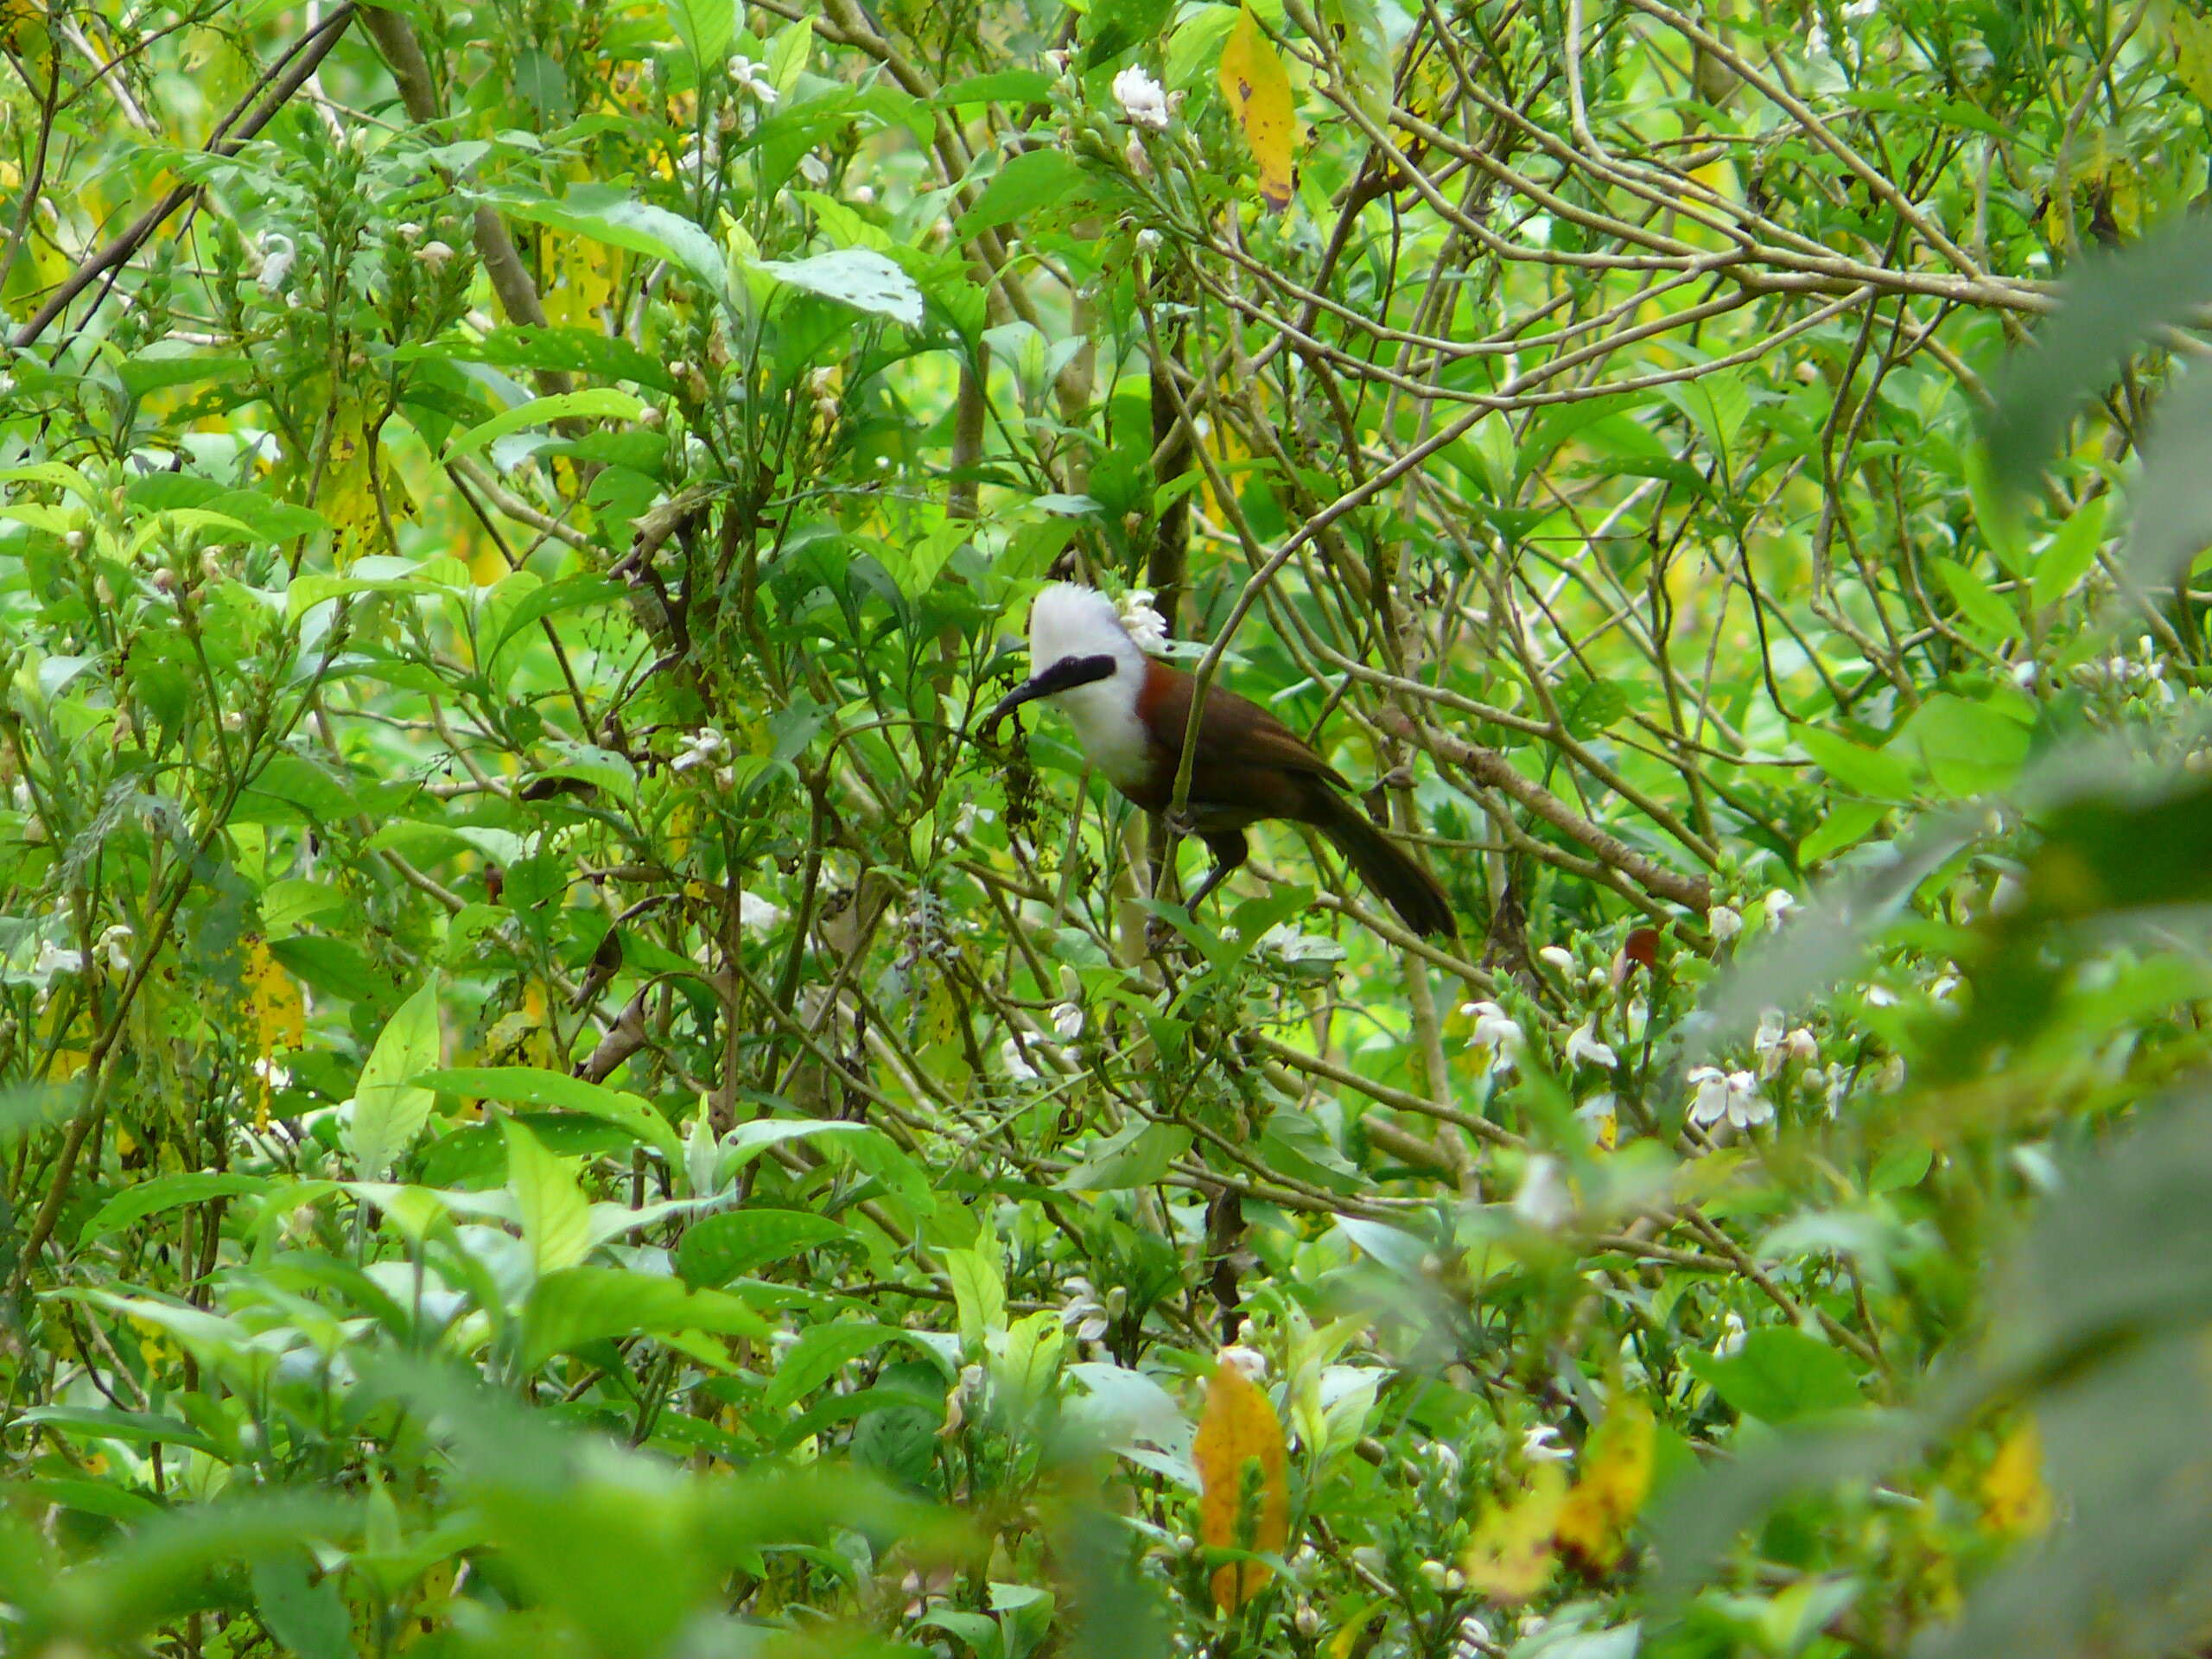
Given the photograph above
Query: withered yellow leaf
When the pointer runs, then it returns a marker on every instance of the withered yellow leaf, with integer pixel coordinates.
(1510, 1554)
(1257, 86)
(1616, 1476)
(280, 1018)
(1238, 1430)
(2014, 1500)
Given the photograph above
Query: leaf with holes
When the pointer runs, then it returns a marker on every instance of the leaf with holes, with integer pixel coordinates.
(1257, 86)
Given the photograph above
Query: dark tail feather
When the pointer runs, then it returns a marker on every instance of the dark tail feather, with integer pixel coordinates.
(1403, 884)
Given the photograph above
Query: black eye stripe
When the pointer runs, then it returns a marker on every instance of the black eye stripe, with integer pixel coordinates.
(1072, 672)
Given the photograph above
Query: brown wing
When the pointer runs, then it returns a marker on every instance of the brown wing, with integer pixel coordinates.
(1254, 766)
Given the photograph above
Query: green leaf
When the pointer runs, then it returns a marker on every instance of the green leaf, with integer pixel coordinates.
(531, 1085)
(2071, 554)
(570, 351)
(857, 277)
(1779, 1374)
(705, 27)
(544, 411)
(172, 366)
(1979, 601)
(619, 219)
(1000, 86)
(1846, 824)
(1033, 179)
(2109, 305)
(725, 1247)
(819, 1354)
(1137, 1156)
(2173, 517)
(389, 1109)
(101, 1423)
(1970, 749)
(556, 1214)
(135, 1203)
(1869, 771)
(310, 1620)
(978, 1293)
(583, 1305)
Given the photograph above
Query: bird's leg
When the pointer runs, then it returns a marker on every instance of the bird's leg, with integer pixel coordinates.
(1229, 851)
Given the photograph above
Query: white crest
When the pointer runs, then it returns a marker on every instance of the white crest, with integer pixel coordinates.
(1067, 620)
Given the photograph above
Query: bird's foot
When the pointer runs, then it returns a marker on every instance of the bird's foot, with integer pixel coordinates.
(1180, 822)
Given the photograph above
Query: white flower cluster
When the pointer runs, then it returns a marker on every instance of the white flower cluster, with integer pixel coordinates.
(1087, 1313)
(1144, 102)
(704, 747)
(1146, 625)
(2142, 675)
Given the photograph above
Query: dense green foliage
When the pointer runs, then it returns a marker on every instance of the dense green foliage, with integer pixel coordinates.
(559, 1095)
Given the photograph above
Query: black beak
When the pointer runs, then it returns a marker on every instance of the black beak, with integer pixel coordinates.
(1065, 675)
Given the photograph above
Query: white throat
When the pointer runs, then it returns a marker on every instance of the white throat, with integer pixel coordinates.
(1072, 621)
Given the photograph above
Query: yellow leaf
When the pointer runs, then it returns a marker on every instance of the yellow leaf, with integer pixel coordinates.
(2014, 1500)
(280, 1018)
(2192, 39)
(1616, 1476)
(1510, 1554)
(1238, 1431)
(1257, 86)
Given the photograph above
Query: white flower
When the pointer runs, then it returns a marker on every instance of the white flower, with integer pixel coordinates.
(1149, 240)
(753, 78)
(1858, 11)
(2007, 897)
(1017, 1067)
(1142, 99)
(1881, 996)
(1725, 922)
(1472, 1640)
(1544, 1202)
(1538, 1446)
(1292, 948)
(1498, 1032)
(1582, 1044)
(1250, 1361)
(1816, 38)
(756, 916)
(53, 959)
(1083, 1312)
(1067, 1020)
(1781, 904)
(1560, 957)
(277, 254)
(1601, 1116)
(702, 747)
(1731, 1336)
(1146, 626)
(434, 255)
(109, 947)
(1731, 1095)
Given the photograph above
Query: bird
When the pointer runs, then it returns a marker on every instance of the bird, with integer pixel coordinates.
(1130, 712)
